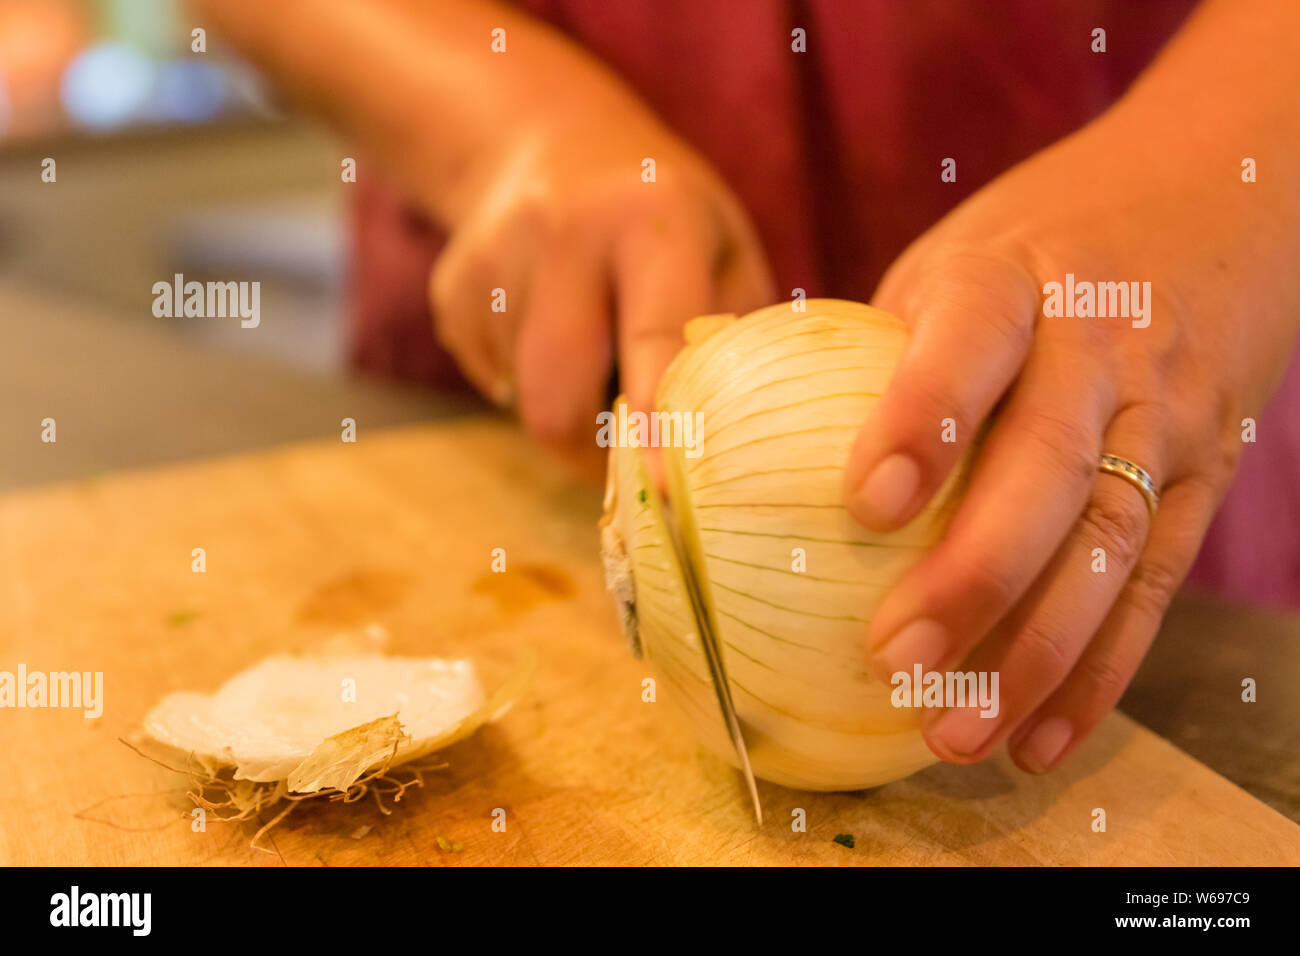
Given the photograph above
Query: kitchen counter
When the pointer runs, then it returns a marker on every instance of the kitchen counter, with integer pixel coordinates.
(397, 530)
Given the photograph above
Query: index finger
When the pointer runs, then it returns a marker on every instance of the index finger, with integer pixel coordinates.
(662, 284)
(971, 321)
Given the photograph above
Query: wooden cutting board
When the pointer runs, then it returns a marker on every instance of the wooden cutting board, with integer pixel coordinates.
(398, 530)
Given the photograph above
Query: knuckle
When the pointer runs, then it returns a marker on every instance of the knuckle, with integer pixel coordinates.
(989, 585)
(992, 283)
(1166, 342)
(673, 205)
(1067, 442)
(1051, 647)
(1011, 326)
(462, 275)
(1107, 677)
(1152, 587)
(1116, 519)
(545, 214)
(1226, 458)
(1222, 454)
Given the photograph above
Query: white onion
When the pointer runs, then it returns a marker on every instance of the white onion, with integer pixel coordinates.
(286, 718)
(782, 396)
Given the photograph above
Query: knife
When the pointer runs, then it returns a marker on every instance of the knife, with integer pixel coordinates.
(718, 673)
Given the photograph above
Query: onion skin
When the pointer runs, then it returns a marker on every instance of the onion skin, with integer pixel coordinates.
(782, 395)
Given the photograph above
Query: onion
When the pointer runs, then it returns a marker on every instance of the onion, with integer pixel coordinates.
(286, 722)
(781, 395)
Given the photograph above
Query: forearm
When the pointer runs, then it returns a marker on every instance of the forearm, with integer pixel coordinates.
(1231, 73)
(416, 83)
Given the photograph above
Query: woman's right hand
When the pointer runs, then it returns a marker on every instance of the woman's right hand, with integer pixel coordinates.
(529, 152)
(593, 257)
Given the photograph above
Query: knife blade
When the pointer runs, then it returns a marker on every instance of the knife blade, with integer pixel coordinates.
(717, 670)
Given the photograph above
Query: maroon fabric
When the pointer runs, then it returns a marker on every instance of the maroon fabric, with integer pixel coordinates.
(836, 153)
(394, 248)
(1252, 551)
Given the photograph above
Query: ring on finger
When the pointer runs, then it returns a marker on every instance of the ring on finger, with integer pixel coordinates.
(1135, 475)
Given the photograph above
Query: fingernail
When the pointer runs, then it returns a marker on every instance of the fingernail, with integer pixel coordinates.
(922, 642)
(963, 731)
(1044, 746)
(881, 499)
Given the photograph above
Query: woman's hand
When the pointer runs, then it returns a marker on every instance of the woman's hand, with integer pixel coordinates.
(1015, 586)
(529, 151)
(593, 260)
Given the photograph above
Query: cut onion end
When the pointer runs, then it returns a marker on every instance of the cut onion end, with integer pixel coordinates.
(316, 722)
(615, 534)
(620, 582)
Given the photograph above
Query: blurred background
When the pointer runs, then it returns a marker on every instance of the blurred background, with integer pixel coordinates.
(168, 161)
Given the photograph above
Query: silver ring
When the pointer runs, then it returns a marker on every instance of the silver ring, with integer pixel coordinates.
(1135, 475)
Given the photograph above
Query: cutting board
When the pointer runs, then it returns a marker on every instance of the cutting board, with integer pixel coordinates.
(395, 534)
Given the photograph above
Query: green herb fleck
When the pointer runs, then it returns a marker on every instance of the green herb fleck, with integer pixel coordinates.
(457, 847)
(641, 494)
(844, 839)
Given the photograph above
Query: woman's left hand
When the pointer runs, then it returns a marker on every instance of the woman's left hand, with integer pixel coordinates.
(1015, 586)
